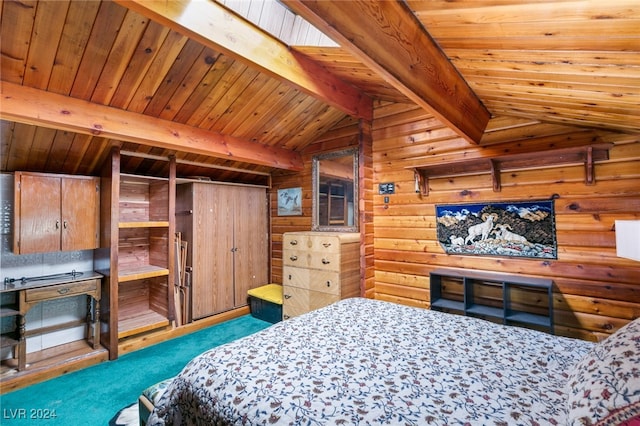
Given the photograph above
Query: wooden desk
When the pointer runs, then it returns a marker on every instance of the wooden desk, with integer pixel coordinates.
(30, 293)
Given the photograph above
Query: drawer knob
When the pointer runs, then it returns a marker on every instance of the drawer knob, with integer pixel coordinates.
(326, 245)
(328, 283)
(294, 242)
(287, 296)
(63, 290)
(286, 317)
(293, 258)
(326, 261)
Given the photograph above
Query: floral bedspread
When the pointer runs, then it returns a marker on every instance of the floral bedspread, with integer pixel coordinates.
(362, 361)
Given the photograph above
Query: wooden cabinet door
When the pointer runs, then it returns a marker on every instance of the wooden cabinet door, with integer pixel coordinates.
(80, 212)
(55, 212)
(251, 241)
(37, 214)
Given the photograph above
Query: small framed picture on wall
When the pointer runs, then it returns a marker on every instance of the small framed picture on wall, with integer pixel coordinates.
(290, 202)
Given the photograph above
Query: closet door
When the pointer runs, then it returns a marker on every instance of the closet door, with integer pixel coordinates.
(212, 255)
(251, 241)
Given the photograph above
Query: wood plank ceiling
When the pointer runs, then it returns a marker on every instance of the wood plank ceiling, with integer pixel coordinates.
(570, 63)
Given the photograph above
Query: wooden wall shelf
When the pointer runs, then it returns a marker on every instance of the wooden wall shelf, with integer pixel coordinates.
(143, 224)
(586, 155)
(141, 272)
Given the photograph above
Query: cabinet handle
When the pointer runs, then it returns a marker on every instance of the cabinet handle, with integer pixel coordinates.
(63, 290)
(326, 245)
(326, 261)
(287, 296)
(289, 277)
(57, 224)
(328, 283)
(64, 224)
(293, 258)
(294, 242)
(286, 317)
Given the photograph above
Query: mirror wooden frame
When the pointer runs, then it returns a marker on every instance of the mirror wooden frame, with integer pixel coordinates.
(316, 164)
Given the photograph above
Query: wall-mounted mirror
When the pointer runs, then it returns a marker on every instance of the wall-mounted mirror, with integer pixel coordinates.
(335, 191)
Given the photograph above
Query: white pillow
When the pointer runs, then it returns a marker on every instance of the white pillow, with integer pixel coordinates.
(604, 386)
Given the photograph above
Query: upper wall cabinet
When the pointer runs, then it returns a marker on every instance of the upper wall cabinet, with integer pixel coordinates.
(55, 212)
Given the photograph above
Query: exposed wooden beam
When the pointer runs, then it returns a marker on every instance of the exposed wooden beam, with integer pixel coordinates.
(38, 107)
(388, 38)
(217, 27)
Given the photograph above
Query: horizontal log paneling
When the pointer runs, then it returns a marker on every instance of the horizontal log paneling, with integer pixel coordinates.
(595, 292)
(596, 306)
(401, 300)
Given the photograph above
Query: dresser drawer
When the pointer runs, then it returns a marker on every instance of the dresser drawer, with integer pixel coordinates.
(61, 290)
(322, 281)
(316, 260)
(317, 242)
(298, 301)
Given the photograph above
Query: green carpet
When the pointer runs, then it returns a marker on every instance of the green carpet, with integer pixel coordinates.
(94, 395)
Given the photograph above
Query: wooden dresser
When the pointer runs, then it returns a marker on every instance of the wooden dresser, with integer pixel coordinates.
(319, 268)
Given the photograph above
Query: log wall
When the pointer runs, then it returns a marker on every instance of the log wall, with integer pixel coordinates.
(349, 133)
(595, 292)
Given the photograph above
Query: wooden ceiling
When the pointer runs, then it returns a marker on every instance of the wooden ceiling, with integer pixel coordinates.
(573, 63)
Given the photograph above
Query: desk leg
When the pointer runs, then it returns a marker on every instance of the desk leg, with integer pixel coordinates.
(93, 322)
(96, 323)
(22, 343)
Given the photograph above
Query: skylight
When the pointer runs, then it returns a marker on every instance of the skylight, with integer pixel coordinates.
(274, 18)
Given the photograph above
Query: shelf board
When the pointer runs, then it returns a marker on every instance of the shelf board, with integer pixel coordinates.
(448, 304)
(49, 363)
(8, 312)
(142, 322)
(144, 224)
(7, 342)
(141, 272)
(586, 155)
(527, 318)
(128, 177)
(497, 277)
(487, 311)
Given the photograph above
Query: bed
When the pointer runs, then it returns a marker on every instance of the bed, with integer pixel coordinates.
(361, 361)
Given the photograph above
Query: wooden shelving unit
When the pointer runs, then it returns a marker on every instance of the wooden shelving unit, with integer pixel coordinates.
(509, 299)
(137, 252)
(586, 155)
(144, 241)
